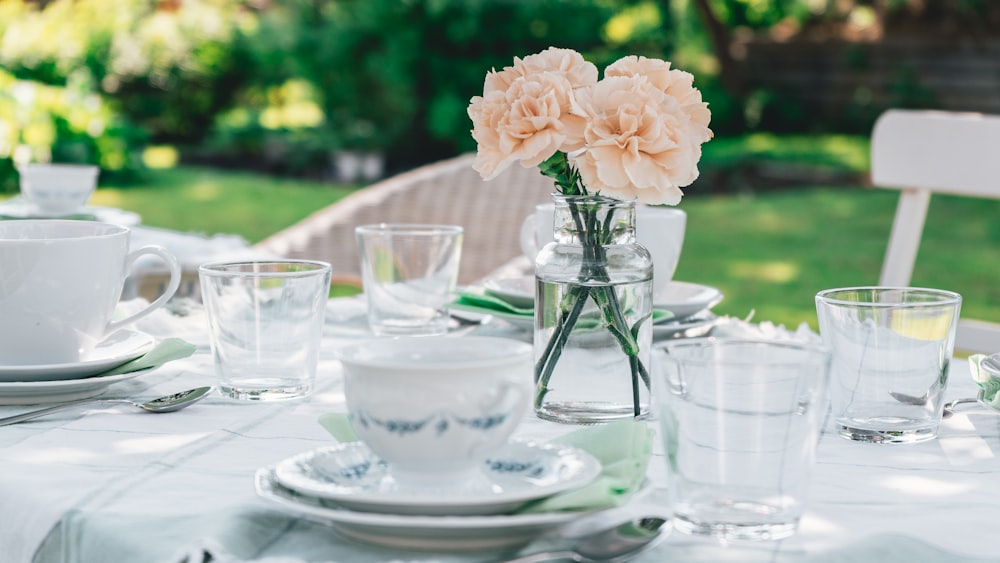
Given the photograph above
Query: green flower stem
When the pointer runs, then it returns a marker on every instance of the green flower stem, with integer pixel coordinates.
(565, 176)
(553, 350)
(633, 364)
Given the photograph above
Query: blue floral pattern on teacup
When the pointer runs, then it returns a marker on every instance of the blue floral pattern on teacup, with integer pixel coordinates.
(362, 419)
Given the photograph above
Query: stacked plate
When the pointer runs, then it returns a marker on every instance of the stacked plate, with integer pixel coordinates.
(691, 305)
(19, 208)
(350, 488)
(48, 383)
(682, 310)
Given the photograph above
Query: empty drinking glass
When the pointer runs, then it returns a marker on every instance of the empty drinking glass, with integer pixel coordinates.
(266, 322)
(891, 350)
(408, 274)
(740, 421)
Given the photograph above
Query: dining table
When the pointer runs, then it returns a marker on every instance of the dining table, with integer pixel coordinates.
(115, 484)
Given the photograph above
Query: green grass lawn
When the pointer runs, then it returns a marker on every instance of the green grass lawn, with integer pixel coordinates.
(214, 201)
(770, 252)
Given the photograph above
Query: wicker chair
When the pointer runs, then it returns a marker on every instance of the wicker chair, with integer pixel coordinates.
(445, 192)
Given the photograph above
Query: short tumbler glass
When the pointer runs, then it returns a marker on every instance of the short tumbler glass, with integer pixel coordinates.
(408, 273)
(891, 350)
(265, 321)
(740, 421)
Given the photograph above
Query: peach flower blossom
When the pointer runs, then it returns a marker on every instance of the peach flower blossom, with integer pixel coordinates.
(638, 141)
(565, 62)
(676, 83)
(528, 112)
(635, 134)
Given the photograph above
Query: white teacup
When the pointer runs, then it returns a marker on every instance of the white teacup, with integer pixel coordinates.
(435, 407)
(659, 229)
(57, 189)
(59, 284)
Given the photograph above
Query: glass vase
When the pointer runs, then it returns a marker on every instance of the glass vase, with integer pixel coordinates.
(593, 308)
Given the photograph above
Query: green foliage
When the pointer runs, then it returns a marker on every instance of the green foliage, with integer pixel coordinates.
(279, 85)
(65, 124)
(168, 71)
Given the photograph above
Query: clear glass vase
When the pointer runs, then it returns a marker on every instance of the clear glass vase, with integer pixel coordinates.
(593, 308)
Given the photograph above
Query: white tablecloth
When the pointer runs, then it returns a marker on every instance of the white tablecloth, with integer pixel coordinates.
(121, 485)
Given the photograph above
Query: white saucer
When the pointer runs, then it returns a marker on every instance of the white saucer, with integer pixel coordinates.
(684, 299)
(352, 476)
(38, 392)
(693, 326)
(425, 533)
(524, 322)
(122, 346)
(518, 291)
(22, 209)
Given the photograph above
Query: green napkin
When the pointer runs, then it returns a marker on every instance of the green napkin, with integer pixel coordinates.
(339, 427)
(623, 448)
(167, 350)
(481, 299)
(989, 384)
(476, 297)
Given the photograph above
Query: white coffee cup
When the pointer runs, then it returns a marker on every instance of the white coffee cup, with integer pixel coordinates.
(57, 189)
(435, 407)
(59, 284)
(659, 229)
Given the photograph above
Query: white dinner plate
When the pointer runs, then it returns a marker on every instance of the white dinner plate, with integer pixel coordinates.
(684, 299)
(524, 322)
(699, 324)
(424, 533)
(37, 392)
(120, 347)
(352, 476)
(518, 291)
(22, 209)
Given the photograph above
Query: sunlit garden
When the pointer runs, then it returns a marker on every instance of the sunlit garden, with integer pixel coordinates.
(232, 117)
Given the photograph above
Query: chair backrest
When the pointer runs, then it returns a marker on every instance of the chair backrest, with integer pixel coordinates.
(921, 152)
(445, 192)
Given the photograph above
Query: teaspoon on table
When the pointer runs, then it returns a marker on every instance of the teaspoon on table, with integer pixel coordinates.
(946, 411)
(170, 403)
(621, 542)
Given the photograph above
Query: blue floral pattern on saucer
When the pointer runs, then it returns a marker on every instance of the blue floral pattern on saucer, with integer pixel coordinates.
(353, 477)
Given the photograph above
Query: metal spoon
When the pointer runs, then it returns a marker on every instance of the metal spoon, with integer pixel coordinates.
(949, 407)
(619, 543)
(170, 403)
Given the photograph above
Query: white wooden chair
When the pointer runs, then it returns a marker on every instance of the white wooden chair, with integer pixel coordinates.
(921, 152)
(448, 192)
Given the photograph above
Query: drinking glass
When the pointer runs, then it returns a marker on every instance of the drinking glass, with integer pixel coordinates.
(265, 321)
(740, 421)
(891, 351)
(408, 275)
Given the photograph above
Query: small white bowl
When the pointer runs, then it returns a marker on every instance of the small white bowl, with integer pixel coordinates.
(435, 407)
(58, 189)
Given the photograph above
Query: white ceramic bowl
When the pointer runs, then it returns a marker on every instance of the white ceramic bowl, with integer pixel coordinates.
(58, 189)
(436, 407)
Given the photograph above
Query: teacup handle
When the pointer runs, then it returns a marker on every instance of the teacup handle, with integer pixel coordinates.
(175, 282)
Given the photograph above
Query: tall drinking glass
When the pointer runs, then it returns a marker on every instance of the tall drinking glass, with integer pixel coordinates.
(740, 421)
(891, 350)
(408, 274)
(266, 322)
